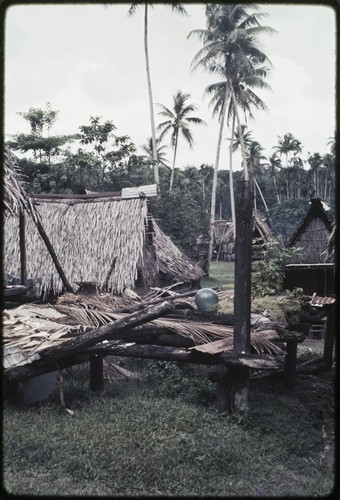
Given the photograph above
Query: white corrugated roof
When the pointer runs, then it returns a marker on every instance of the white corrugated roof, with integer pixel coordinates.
(135, 192)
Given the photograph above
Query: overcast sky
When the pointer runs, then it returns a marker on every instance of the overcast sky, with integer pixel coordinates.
(88, 60)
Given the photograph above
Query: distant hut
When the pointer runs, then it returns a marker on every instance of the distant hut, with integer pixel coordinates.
(224, 235)
(105, 240)
(312, 266)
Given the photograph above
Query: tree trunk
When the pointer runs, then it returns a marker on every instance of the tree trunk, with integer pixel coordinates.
(173, 164)
(231, 178)
(214, 186)
(153, 129)
(243, 147)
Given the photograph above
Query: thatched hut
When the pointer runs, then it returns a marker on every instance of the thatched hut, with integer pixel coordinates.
(105, 240)
(312, 265)
(224, 235)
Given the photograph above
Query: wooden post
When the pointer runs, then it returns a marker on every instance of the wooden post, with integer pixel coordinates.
(290, 364)
(96, 373)
(242, 301)
(220, 375)
(53, 254)
(329, 338)
(22, 244)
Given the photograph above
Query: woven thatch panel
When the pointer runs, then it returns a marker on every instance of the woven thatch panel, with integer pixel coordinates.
(314, 243)
(86, 237)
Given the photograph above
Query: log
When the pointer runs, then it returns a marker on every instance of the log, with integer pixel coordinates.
(43, 366)
(167, 353)
(112, 330)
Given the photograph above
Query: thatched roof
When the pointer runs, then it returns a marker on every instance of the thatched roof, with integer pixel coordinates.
(87, 233)
(312, 235)
(15, 198)
(224, 231)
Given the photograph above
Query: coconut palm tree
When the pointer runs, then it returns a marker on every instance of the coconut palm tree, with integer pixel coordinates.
(254, 158)
(274, 166)
(230, 41)
(288, 144)
(176, 7)
(178, 122)
(148, 149)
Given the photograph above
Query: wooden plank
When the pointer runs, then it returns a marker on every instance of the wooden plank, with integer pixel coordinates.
(242, 300)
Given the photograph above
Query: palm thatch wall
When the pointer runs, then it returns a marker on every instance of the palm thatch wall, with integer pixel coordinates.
(312, 236)
(96, 240)
(15, 198)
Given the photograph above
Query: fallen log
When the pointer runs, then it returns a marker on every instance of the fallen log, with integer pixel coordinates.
(81, 342)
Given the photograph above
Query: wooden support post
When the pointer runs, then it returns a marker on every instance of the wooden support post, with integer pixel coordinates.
(290, 364)
(329, 338)
(220, 375)
(242, 301)
(53, 254)
(22, 244)
(96, 373)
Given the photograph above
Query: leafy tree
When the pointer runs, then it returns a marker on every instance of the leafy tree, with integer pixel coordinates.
(178, 122)
(176, 7)
(147, 148)
(39, 142)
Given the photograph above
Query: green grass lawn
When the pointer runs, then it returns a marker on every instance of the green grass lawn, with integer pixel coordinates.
(221, 275)
(163, 436)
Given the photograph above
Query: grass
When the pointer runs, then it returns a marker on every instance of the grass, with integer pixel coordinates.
(163, 436)
(221, 275)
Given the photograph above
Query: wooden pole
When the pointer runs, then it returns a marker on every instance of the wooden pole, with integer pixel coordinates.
(53, 254)
(242, 301)
(22, 244)
(290, 364)
(329, 338)
(96, 373)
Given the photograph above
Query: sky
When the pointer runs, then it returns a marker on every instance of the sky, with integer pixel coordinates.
(88, 60)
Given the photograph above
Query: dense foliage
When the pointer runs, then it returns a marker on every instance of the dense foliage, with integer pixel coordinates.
(98, 159)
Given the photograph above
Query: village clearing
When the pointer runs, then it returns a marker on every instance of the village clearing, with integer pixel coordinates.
(157, 432)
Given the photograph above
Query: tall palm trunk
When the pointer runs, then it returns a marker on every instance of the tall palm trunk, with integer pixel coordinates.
(152, 117)
(213, 193)
(231, 178)
(243, 148)
(173, 163)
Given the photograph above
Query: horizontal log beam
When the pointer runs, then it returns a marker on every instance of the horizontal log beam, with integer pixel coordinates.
(167, 353)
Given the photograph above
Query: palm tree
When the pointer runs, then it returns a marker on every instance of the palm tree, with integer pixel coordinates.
(247, 100)
(288, 144)
(148, 149)
(176, 7)
(178, 122)
(331, 144)
(254, 157)
(273, 167)
(229, 42)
